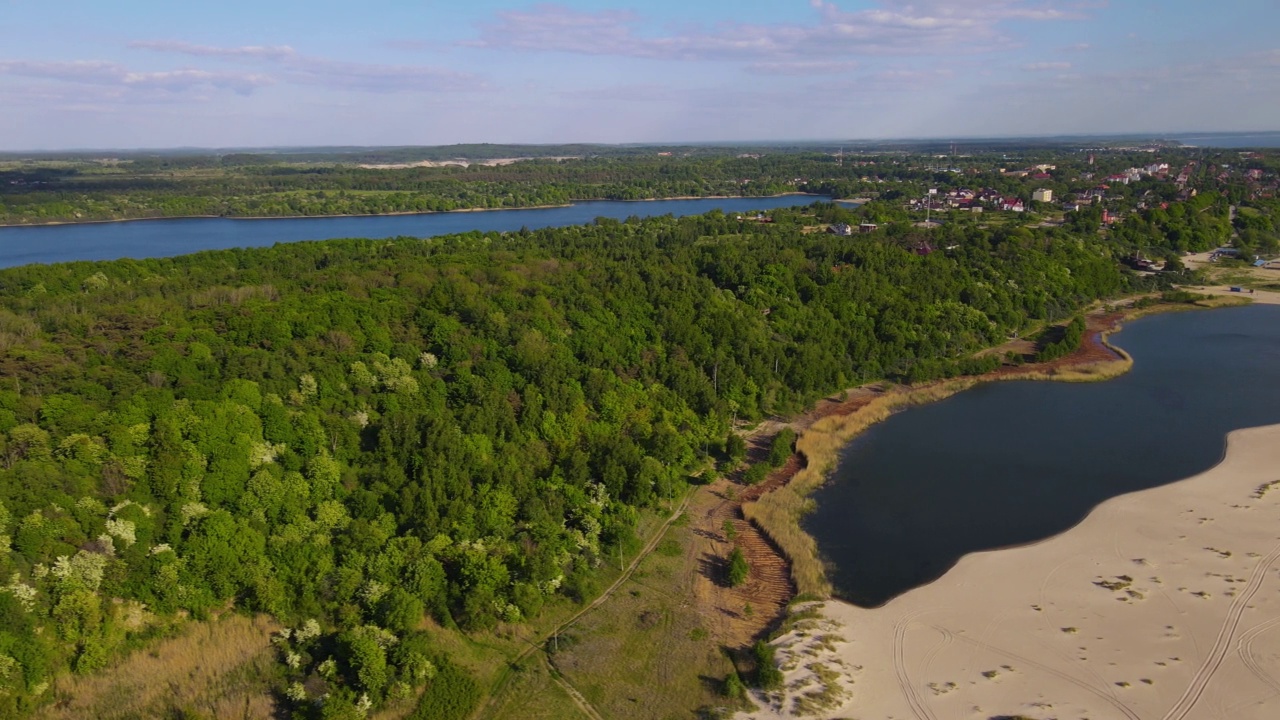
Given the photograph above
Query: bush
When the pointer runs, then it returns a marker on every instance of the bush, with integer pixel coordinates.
(733, 687)
(756, 473)
(738, 568)
(735, 447)
(768, 676)
(780, 448)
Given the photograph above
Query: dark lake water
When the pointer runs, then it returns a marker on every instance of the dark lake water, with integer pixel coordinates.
(164, 238)
(1015, 462)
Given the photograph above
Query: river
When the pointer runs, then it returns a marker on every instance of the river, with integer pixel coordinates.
(1011, 463)
(165, 238)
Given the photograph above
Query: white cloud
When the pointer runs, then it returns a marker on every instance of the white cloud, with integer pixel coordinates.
(1046, 66)
(252, 52)
(802, 67)
(98, 72)
(301, 69)
(928, 27)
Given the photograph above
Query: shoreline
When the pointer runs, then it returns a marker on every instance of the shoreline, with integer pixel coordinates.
(778, 510)
(775, 507)
(571, 203)
(1145, 597)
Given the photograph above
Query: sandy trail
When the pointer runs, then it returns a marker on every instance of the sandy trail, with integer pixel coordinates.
(1161, 605)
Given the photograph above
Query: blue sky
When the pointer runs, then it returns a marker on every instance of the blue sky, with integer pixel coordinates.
(146, 73)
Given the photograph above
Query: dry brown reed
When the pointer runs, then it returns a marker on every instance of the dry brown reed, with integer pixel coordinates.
(216, 668)
(778, 513)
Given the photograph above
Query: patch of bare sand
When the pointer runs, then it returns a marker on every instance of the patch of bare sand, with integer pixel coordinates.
(1262, 297)
(1161, 605)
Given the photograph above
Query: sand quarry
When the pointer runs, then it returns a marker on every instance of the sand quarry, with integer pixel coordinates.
(1161, 605)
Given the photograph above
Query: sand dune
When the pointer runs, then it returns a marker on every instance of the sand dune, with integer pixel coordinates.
(1161, 605)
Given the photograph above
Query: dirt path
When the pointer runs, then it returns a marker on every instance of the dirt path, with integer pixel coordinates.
(738, 616)
(540, 645)
(578, 699)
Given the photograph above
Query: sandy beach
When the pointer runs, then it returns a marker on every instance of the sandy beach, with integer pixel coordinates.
(1161, 605)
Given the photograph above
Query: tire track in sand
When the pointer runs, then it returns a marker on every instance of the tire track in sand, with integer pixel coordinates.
(1245, 649)
(1225, 635)
(1111, 700)
(919, 707)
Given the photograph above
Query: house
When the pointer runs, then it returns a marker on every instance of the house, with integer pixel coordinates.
(1071, 207)
(867, 227)
(1012, 204)
(1043, 195)
(843, 229)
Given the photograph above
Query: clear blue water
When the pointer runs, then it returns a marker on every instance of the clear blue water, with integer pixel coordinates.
(165, 238)
(1015, 462)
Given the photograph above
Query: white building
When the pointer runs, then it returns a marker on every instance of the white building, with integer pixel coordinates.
(1042, 195)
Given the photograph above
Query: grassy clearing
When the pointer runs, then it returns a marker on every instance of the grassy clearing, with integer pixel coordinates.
(644, 654)
(533, 695)
(216, 669)
(526, 689)
(778, 513)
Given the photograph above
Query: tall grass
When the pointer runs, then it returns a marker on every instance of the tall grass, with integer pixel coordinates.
(221, 668)
(778, 513)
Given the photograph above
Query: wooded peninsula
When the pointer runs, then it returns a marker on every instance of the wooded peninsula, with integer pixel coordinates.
(395, 447)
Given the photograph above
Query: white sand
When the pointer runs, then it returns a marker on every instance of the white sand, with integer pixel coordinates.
(1193, 633)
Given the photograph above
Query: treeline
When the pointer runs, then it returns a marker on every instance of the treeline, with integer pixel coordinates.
(1067, 342)
(272, 190)
(354, 435)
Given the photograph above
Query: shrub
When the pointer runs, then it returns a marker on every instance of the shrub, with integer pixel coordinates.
(780, 448)
(738, 568)
(768, 676)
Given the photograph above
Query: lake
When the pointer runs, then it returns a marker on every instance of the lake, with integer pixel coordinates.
(1229, 140)
(1011, 463)
(165, 238)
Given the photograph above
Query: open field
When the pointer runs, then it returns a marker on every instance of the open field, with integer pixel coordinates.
(1161, 604)
(1265, 282)
(648, 653)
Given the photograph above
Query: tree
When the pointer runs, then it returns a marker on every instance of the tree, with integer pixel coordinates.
(366, 658)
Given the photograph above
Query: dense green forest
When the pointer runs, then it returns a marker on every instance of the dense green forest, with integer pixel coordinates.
(354, 435)
(236, 189)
